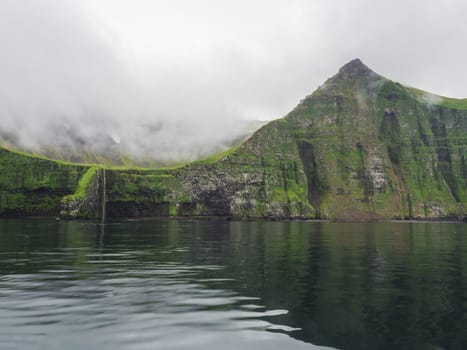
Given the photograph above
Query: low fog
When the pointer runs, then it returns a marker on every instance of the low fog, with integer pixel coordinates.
(176, 80)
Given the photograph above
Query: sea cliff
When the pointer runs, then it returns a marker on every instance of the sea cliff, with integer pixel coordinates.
(361, 147)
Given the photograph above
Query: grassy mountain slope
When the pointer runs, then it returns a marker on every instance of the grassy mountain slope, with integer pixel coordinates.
(361, 147)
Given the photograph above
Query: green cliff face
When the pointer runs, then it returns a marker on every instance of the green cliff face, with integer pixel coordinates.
(361, 147)
(32, 186)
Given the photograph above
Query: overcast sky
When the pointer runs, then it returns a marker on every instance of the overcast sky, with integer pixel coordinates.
(207, 63)
(261, 57)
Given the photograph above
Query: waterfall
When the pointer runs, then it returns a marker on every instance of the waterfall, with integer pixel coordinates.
(103, 196)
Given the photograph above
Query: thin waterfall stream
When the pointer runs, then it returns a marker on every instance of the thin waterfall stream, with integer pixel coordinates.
(103, 196)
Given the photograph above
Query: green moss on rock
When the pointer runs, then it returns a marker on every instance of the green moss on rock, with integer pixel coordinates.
(33, 186)
(361, 147)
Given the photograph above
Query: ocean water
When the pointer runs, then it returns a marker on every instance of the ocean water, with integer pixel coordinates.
(168, 284)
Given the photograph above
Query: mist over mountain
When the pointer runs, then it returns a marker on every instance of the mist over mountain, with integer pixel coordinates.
(174, 80)
(148, 145)
(67, 94)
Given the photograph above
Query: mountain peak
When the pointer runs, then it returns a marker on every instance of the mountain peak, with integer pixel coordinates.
(354, 69)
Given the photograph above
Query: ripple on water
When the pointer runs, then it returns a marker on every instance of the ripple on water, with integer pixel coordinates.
(164, 305)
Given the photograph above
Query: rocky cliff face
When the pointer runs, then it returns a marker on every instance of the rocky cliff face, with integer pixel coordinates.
(361, 147)
(87, 202)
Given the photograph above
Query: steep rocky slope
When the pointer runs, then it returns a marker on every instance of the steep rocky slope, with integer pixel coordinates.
(361, 147)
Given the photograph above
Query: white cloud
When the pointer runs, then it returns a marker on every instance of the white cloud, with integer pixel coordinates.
(200, 66)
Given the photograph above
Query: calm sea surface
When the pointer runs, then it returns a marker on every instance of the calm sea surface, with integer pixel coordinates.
(232, 285)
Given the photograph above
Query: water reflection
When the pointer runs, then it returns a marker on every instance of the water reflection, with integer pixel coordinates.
(180, 284)
(66, 285)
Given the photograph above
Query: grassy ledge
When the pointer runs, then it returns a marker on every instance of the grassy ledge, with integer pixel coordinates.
(83, 184)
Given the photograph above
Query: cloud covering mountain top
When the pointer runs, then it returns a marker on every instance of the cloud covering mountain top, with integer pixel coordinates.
(176, 79)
